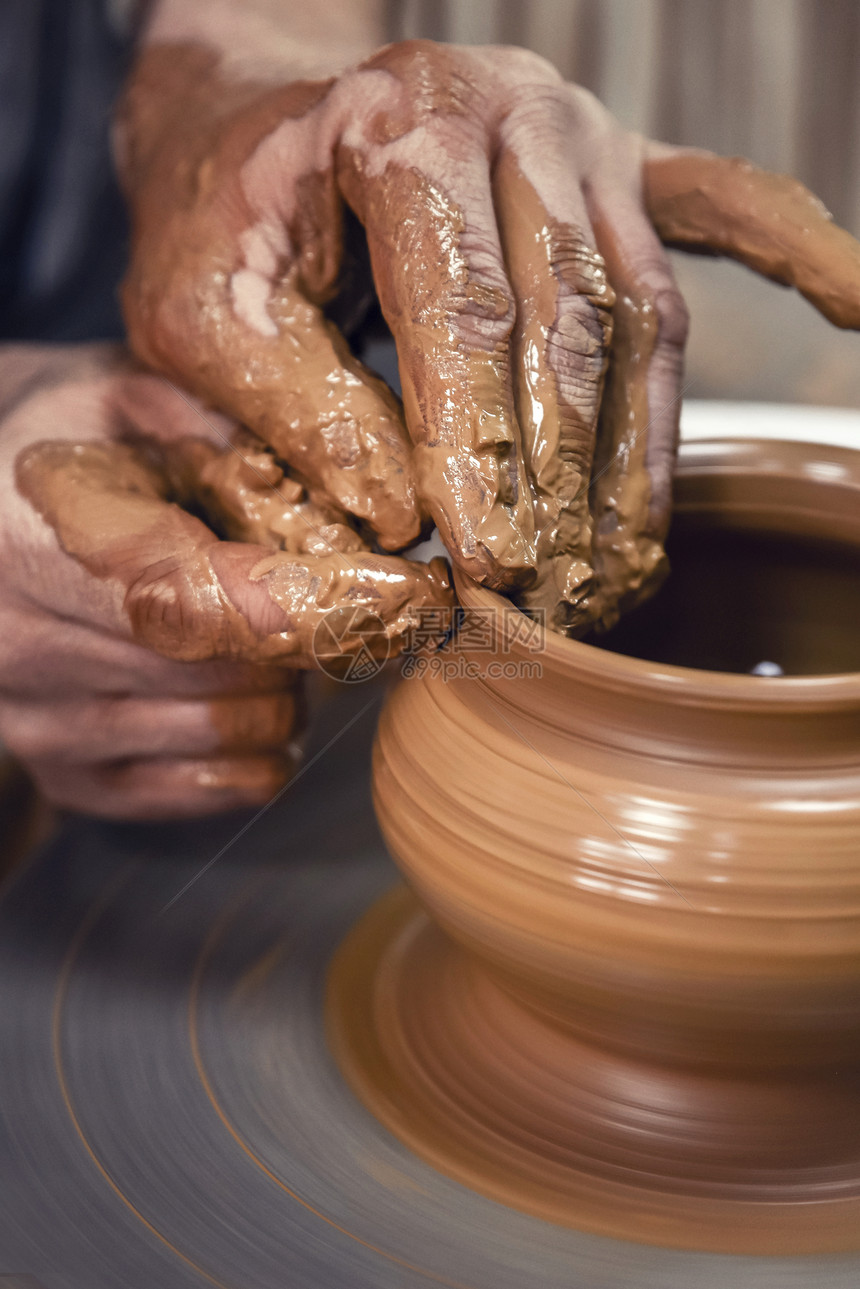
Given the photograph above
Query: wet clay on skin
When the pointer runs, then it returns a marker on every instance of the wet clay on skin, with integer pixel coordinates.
(770, 222)
(622, 991)
(459, 398)
(501, 461)
(628, 556)
(191, 597)
(452, 329)
(229, 305)
(468, 463)
(557, 435)
(248, 497)
(249, 337)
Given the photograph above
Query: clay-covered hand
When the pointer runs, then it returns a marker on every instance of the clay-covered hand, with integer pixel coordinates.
(514, 236)
(148, 664)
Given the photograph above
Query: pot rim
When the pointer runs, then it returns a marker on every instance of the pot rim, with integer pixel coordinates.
(688, 685)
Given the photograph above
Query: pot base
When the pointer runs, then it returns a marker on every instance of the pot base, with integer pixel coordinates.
(514, 1107)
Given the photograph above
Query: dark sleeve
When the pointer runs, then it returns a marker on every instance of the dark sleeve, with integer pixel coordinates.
(63, 233)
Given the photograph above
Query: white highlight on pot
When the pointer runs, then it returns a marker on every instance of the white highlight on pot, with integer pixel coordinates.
(767, 668)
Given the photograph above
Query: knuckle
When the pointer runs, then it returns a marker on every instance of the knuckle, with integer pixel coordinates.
(576, 349)
(577, 345)
(479, 302)
(673, 316)
(407, 55)
(482, 314)
(580, 272)
(433, 80)
(660, 292)
(544, 106)
(554, 111)
(582, 327)
(586, 108)
(30, 735)
(435, 77)
(157, 602)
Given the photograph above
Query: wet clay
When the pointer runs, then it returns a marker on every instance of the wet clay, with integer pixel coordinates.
(558, 433)
(502, 308)
(697, 201)
(775, 226)
(247, 496)
(456, 382)
(769, 222)
(629, 561)
(191, 597)
(235, 323)
(622, 993)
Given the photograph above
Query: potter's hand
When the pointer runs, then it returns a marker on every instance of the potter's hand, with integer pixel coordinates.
(237, 200)
(509, 233)
(140, 656)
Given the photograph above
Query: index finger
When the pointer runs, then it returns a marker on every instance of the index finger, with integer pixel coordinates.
(770, 222)
(440, 275)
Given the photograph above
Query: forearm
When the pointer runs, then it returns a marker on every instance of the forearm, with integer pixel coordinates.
(265, 39)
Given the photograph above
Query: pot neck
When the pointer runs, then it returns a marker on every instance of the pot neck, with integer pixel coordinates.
(648, 709)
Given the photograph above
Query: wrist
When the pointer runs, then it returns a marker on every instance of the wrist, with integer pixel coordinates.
(272, 41)
(170, 89)
(200, 63)
(179, 101)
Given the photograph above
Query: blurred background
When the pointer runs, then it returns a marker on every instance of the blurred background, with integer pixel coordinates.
(777, 81)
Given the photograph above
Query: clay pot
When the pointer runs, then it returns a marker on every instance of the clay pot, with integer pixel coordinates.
(634, 1006)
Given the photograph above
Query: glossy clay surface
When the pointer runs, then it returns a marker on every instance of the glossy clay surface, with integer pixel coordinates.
(636, 1009)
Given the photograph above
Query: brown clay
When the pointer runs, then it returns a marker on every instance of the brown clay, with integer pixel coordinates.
(770, 222)
(245, 493)
(277, 365)
(623, 993)
(458, 397)
(498, 292)
(189, 596)
(558, 431)
(628, 557)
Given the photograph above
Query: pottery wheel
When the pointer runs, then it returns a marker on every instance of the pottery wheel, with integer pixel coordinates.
(169, 1112)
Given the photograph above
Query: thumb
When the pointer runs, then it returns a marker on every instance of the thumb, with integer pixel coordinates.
(178, 590)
